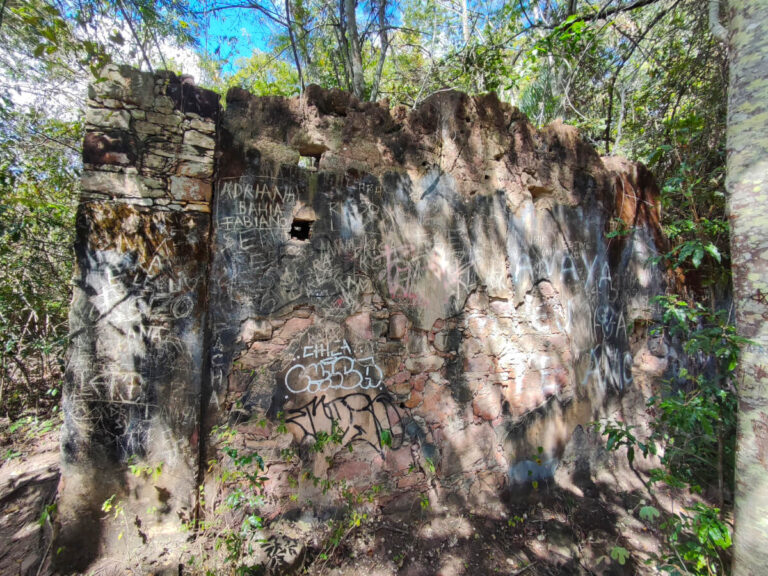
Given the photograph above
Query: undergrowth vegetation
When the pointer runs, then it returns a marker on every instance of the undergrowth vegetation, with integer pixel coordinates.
(232, 531)
(693, 437)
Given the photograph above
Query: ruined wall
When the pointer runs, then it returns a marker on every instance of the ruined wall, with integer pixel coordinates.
(442, 285)
(445, 293)
(134, 376)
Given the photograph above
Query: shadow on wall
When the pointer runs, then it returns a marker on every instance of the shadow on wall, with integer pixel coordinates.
(448, 332)
(430, 304)
(133, 380)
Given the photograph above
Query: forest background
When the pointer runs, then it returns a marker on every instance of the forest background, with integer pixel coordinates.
(646, 79)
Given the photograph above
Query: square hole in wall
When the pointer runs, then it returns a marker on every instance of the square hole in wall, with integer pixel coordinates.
(301, 229)
(309, 162)
(310, 154)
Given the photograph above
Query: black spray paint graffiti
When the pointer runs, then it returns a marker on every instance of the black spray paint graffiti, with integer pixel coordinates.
(359, 418)
(281, 552)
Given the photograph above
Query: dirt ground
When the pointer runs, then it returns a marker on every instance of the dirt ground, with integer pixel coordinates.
(29, 475)
(548, 531)
(568, 526)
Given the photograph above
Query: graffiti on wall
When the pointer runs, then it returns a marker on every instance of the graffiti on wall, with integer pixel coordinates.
(138, 297)
(567, 249)
(353, 418)
(350, 249)
(257, 205)
(335, 368)
(422, 256)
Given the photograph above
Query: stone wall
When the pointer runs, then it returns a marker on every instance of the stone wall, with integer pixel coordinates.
(444, 293)
(134, 376)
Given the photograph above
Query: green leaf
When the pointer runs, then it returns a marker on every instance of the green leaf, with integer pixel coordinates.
(620, 554)
(649, 513)
(713, 251)
(48, 33)
(698, 255)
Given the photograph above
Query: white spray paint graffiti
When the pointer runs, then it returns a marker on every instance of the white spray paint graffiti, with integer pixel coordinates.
(336, 369)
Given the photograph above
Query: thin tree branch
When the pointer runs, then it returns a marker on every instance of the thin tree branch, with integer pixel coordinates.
(293, 44)
(272, 15)
(384, 39)
(653, 23)
(134, 34)
(715, 27)
(608, 10)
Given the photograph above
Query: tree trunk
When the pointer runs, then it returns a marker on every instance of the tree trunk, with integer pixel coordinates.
(339, 29)
(465, 21)
(384, 41)
(747, 184)
(355, 49)
(289, 25)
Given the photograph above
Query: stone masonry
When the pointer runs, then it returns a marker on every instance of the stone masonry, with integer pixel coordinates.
(427, 301)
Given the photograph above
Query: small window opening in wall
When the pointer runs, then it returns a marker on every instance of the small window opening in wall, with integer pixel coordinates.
(310, 154)
(300, 229)
(309, 162)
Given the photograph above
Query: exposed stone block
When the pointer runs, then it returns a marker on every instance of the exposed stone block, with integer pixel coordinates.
(424, 364)
(414, 399)
(195, 207)
(196, 169)
(204, 126)
(153, 183)
(255, 330)
(106, 118)
(119, 184)
(199, 140)
(441, 341)
(190, 189)
(163, 105)
(360, 325)
(144, 128)
(398, 324)
(170, 121)
(486, 404)
(155, 162)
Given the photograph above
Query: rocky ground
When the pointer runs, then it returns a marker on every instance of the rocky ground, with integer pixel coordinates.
(557, 528)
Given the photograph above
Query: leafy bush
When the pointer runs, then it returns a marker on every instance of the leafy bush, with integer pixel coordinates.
(694, 431)
(38, 186)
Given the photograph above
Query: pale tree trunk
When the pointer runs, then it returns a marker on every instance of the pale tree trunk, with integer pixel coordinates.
(355, 49)
(384, 41)
(296, 58)
(747, 184)
(465, 21)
